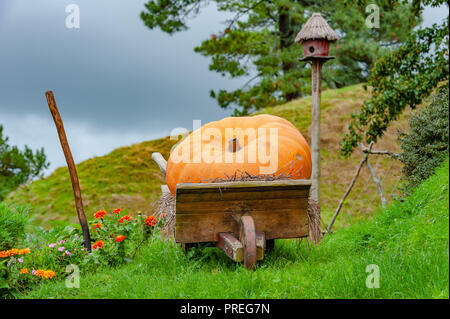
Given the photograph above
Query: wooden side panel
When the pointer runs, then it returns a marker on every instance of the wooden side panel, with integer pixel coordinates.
(279, 209)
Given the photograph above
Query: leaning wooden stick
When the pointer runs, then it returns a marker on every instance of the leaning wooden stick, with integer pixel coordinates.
(72, 169)
(338, 209)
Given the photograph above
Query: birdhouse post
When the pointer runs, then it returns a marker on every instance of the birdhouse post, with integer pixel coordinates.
(316, 36)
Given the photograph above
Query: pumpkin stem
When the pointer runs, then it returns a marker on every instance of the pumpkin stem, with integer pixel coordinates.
(233, 145)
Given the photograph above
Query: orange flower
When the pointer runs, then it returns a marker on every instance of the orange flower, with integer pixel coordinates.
(98, 225)
(13, 252)
(24, 271)
(48, 274)
(150, 221)
(117, 210)
(39, 272)
(98, 244)
(100, 214)
(120, 238)
(24, 251)
(126, 217)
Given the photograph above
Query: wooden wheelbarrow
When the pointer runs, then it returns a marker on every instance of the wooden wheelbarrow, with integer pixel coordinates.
(242, 218)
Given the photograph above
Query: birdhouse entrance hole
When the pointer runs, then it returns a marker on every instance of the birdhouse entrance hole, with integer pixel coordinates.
(316, 48)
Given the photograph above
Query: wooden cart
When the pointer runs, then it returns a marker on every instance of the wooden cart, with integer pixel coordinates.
(242, 218)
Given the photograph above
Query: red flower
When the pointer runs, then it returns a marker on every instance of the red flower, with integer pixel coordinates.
(98, 244)
(117, 210)
(100, 214)
(120, 238)
(126, 217)
(150, 221)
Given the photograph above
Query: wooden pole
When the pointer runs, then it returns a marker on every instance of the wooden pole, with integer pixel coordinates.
(72, 169)
(315, 128)
(377, 181)
(341, 203)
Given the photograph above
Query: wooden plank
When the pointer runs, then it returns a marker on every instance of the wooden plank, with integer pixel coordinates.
(205, 227)
(225, 195)
(200, 192)
(231, 246)
(260, 245)
(186, 187)
(251, 205)
(278, 208)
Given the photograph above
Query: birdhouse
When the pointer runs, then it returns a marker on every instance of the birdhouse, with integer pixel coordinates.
(316, 36)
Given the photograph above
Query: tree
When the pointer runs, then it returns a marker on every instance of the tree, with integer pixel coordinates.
(258, 43)
(17, 167)
(401, 79)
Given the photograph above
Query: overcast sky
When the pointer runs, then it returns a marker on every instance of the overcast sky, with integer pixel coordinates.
(115, 81)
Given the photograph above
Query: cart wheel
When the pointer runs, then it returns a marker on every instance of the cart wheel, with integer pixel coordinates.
(247, 237)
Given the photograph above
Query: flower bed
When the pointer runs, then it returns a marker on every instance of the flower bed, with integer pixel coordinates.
(115, 236)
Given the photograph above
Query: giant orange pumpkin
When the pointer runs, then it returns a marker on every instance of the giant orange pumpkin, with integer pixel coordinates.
(258, 145)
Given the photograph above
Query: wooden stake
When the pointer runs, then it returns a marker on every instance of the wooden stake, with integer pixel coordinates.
(377, 181)
(338, 209)
(72, 169)
(315, 128)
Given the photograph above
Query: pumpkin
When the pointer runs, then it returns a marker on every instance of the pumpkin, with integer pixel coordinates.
(258, 145)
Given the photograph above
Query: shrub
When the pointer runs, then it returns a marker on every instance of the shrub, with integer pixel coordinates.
(425, 146)
(12, 225)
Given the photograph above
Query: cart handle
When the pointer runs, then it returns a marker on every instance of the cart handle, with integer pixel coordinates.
(162, 163)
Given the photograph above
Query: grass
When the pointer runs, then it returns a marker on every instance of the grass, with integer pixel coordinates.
(409, 241)
(128, 177)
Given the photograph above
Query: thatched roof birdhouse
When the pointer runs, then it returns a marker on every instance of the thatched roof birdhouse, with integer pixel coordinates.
(316, 36)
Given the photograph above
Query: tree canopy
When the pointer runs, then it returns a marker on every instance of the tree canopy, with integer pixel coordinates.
(257, 43)
(16, 166)
(402, 78)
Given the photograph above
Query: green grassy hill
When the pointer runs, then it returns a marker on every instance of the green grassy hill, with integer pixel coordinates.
(408, 242)
(128, 178)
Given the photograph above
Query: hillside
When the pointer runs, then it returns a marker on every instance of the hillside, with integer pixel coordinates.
(128, 178)
(408, 241)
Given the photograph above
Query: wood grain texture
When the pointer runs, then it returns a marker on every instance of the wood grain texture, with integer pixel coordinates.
(247, 236)
(278, 208)
(316, 80)
(231, 246)
(260, 245)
